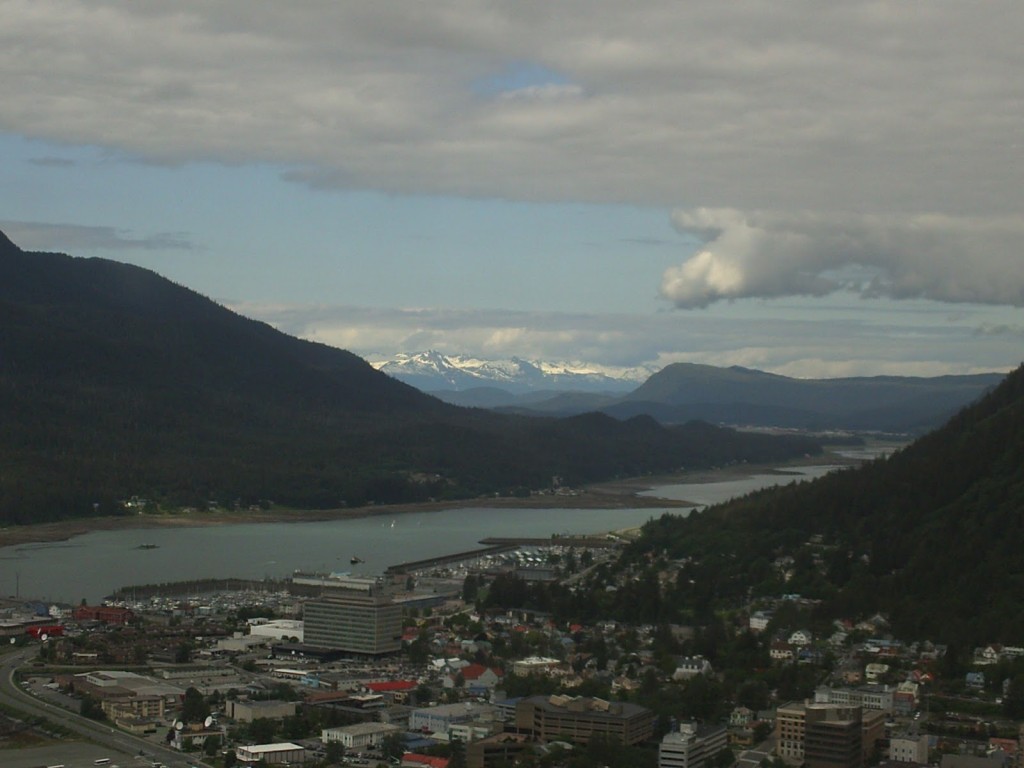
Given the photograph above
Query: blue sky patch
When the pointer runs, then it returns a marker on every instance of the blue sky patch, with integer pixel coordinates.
(517, 76)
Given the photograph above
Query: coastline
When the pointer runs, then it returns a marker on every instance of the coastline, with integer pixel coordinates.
(67, 529)
(615, 494)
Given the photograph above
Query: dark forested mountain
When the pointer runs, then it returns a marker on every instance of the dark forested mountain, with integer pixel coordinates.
(685, 391)
(931, 536)
(115, 382)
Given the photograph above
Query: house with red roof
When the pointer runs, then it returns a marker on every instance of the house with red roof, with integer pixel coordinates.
(416, 760)
(477, 678)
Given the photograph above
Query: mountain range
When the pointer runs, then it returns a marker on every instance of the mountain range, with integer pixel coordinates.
(682, 392)
(440, 374)
(115, 382)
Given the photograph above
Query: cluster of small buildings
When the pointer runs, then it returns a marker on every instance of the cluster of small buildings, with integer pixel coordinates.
(345, 618)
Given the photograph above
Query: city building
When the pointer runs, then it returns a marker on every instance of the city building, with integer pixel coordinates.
(415, 760)
(359, 735)
(579, 718)
(824, 735)
(533, 665)
(128, 695)
(355, 616)
(909, 748)
(877, 697)
(271, 754)
(277, 629)
(247, 711)
(441, 719)
(790, 720)
(832, 737)
(691, 746)
(498, 750)
(904, 699)
(102, 613)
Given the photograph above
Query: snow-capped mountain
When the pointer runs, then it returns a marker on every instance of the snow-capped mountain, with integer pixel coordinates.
(432, 371)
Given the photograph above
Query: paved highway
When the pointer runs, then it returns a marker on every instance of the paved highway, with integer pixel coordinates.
(125, 748)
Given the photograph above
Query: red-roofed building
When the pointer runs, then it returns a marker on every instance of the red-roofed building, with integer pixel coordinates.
(325, 697)
(105, 613)
(479, 676)
(43, 631)
(416, 760)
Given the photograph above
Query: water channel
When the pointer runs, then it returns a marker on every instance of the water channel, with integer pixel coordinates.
(93, 565)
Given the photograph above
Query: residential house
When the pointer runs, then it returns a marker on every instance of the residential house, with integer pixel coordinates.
(801, 637)
(691, 666)
(759, 620)
(781, 651)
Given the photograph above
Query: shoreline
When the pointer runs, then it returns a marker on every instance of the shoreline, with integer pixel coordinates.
(67, 529)
(613, 494)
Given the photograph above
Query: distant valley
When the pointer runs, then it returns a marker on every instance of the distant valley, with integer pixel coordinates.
(683, 392)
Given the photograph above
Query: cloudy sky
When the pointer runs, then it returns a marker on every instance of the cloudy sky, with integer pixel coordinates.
(815, 189)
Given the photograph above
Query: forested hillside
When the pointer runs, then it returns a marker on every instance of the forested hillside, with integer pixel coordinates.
(115, 382)
(931, 536)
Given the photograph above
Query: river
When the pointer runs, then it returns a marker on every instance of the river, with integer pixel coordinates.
(705, 494)
(93, 565)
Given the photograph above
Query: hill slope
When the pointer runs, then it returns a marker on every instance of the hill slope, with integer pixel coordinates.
(930, 536)
(115, 382)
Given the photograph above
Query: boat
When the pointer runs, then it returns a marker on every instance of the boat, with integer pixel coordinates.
(356, 560)
(148, 546)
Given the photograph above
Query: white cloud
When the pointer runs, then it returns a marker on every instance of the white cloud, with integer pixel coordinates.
(767, 254)
(843, 106)
(816, 147)
(866, 337)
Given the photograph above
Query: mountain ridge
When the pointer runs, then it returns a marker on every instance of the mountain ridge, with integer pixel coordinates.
(929, 536)
(116, 382)
(682, 392)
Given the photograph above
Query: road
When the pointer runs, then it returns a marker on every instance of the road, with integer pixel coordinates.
(125, 748)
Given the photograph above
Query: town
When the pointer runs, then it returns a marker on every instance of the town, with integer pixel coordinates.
(450, 662)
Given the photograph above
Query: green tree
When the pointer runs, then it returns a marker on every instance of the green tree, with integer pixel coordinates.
(262, 730)
(334, 752)
(211, 745)
(470, 588)
(392, 746)
(92, 709)
(183, 653)
(457, 756)
(1013, 702)
(194, 708)
(423, 694)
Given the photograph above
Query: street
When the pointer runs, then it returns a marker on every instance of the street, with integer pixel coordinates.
(122, 748)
